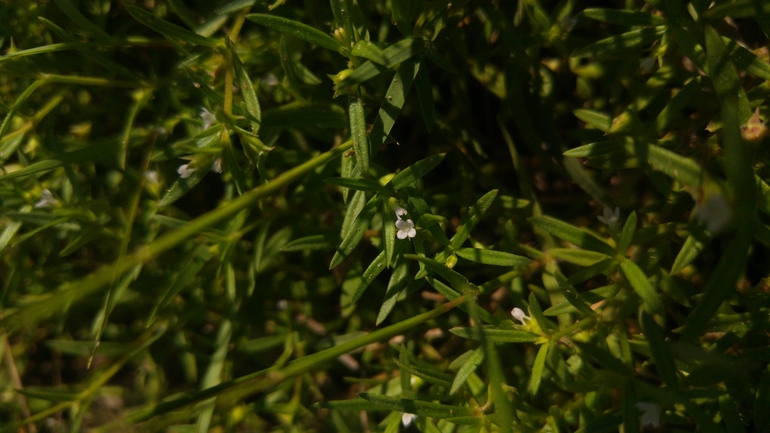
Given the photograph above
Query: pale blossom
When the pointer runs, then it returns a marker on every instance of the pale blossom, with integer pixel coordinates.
(46, 200)
(151, 176)
(405, 229)
(407, 418)
(208, 117)
(217, 165)
(650, 414)
(519, 315)
(399, 212)
(715, 212)
(185, 171)
(610, 217)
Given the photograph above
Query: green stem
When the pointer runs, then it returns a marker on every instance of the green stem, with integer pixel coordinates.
(270, 378)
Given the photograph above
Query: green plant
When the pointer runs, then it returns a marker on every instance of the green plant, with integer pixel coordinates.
(200, 231)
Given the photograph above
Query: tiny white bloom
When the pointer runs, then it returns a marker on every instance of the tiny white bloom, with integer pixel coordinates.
(647, 64)
(405, 229)
(650, 414)
(217, 165)
(185, 171)
(610, 217)
(519, 315)
(407, 418)
(715, 212)
(399, 212)
(46, 200)
(151, 176)
(208, 117)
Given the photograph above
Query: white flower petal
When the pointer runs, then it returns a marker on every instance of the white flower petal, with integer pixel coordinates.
(185, 171)
(412, 232)
(208, 117)
(519, 315)
(402, 224)
(407, 418)
(402, 234)
(650, 414)
(399, 211)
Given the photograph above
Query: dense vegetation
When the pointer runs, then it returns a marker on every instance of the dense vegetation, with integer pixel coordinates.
(333, 216)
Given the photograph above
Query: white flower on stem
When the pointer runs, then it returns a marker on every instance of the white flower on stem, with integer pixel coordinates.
(650, 414)
(399, 212)
(46, 200)
(407, 418)
(185, 171)
(610, 217)
(405, 229)
(208, 117)
(647, 64)
(519, 315)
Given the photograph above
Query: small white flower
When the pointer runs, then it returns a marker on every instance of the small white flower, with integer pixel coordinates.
(208, 117)
(407, 418)
(405, 229)
(647, 64)
(151, 176)
(519, 315)
(46, 200)
(399, 212)
(715, 212)
(217, 165)
(650, 414)
(610, 217)
(185, 171)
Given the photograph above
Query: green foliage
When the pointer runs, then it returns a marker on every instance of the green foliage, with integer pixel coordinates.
(493, 216)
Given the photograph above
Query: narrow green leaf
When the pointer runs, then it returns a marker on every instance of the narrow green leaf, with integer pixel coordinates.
(451, 295)
(594, 149)
(436, 57)
(468, 367)
(434, 377)
(311, 243)
(627, 234)
(17, 104)
(593, 270)
(354, 208)
(693, 246)
(572, 235)
(425, 96)
(355, 183)
(603, 357)
(577, 257)
(8, 233)
(737, 9)
(491, 257)
(456, 280)
(664, 362)
(414, 172)
(537, 369)
(762, 402)
(595, 119)
(393, 101)
(395, 55)
(299, 114)
(375, 267)
(248, 91)
(417, 407)
(347, 165)
(356, 233)
(642, 286)
(167, 29)
(472, 218)
(403, 13)
(395, 285)
(721, 282)
(388, 231)
(623, 17)
(358, 133)
(571, 295)
(369, 51)
(632, 40)
(537, 314)
(735, 112)
(84, 23)
(675, 105)
(590, 297)
(296, 29)
(496, 335)
(182, 186)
